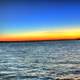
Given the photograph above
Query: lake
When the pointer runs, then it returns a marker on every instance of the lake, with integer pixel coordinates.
(39, 60)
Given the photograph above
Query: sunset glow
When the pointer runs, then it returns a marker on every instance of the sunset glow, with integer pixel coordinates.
(39, 20)
(44, 35)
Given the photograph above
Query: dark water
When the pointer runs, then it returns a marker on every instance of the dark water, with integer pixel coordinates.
(39, 60)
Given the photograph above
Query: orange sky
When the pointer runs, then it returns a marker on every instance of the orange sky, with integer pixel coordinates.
(42, 35)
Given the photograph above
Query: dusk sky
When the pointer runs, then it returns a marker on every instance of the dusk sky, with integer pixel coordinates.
(34, 18)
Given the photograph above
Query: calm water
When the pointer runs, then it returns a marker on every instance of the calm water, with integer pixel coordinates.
(39, 60)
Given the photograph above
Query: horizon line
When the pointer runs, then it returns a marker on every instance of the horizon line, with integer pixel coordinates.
(40, 40)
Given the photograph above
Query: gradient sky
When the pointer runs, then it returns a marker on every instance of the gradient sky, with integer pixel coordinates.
(39, 18)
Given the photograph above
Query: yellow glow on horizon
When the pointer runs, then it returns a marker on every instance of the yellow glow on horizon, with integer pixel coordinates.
(71, 33)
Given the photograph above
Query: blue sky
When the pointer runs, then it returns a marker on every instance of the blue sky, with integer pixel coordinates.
(38, 15)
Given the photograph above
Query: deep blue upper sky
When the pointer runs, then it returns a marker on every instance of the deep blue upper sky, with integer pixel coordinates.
(32, 15)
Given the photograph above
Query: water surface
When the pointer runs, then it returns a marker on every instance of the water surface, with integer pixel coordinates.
(39, 60)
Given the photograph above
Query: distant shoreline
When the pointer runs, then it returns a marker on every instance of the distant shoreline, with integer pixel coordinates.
(38, 41)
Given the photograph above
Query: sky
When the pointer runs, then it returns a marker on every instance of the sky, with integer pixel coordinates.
(39, 19)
